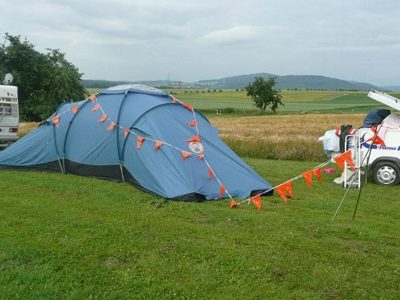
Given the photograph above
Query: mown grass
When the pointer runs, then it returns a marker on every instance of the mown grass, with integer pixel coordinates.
(64, 236)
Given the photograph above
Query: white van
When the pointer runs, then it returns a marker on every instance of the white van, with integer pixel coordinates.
(377, 147)
(9, 114)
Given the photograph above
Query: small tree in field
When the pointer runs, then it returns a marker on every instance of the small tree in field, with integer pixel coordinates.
(263, 94)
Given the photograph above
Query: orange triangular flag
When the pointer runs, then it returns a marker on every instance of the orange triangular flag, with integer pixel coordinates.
(285, 190)
(200, 156)
(210, 172)
(139, 141)
(96, 107)
(233, 204)
(222, 190)
(318, 174)
(111, 126)
(126, 132)
(256, 201)
(281, 193)
(158, 145)
(56, 120)
(308, 178)
(102, 118)
(376, 139)
(194, 139)
(192, 123)
(74, 109)
(187, 106)
(345, 157)
(185, 154)
(92, 97)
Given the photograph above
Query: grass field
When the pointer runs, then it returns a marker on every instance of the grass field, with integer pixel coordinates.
(237, 103)
(64, 236)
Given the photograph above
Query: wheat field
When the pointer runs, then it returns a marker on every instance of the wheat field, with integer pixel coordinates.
(292, 137)
(281, 136)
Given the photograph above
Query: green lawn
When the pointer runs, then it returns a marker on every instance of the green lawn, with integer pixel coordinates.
(64, 236)
(295, 101)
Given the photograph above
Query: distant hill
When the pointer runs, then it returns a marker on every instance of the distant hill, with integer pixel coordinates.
(240, 81)
(290, 82)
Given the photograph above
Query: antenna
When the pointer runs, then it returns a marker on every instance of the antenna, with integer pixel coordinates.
(8, 79)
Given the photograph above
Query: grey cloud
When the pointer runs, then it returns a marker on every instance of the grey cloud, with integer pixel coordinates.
(146, 39)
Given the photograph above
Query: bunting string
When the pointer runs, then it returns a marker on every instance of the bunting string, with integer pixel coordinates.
(283, 189)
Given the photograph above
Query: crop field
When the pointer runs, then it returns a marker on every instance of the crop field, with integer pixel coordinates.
(291, 136)
(281, 136)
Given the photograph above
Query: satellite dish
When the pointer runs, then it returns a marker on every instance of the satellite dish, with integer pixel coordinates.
(8, 78)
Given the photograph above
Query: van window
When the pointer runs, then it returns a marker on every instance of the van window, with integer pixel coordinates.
(5, 109)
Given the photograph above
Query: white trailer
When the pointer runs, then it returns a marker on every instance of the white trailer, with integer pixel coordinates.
(9, 114)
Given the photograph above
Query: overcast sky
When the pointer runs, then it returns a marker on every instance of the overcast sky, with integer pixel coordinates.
(201, 39)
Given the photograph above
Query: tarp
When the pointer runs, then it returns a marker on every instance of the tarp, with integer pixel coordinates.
(76, 139)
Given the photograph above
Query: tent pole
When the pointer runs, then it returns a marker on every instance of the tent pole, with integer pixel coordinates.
(59, 163)
(366, 171)
(345, 195)
(122, 171)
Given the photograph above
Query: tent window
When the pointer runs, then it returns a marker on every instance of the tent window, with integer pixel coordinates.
(5, 109)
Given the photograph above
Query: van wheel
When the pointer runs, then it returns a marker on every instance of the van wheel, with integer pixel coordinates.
(386, 173)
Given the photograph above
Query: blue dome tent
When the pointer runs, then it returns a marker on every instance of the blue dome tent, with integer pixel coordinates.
(140, 135)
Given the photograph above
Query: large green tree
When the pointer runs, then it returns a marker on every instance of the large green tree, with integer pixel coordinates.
(263, 94)
(44, 80)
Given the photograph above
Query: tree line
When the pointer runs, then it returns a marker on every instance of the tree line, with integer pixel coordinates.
(44, 80)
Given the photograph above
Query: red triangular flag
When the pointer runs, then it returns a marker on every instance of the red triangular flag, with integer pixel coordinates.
(200, 156)
(256, 201)
(111, 127)
(194, 139)
(56, 120)
(187, 106)
(318, 174)
(222, 190)
(192, 123)
(126, 132)
(185, 154)
(308, 178)
(74, 109)
(173, 100)
(233, 204)
(158, 145)
(139, 142)
(102, 118)
(210, 172)
(92, 97)
(96, 107)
